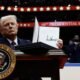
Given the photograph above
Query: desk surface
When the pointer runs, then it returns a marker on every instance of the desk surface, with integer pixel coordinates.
(49, 56)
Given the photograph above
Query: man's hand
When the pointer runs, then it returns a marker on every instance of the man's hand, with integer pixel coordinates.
(60, 43)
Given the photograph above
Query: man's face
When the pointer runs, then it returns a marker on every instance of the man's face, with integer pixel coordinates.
(9, 27)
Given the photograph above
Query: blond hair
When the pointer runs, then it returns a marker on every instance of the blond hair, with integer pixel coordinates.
(6, 17)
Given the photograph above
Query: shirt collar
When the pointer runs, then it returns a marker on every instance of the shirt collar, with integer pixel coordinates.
(15, 40)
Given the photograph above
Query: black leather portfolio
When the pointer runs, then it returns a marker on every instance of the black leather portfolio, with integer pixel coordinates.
(34, 48)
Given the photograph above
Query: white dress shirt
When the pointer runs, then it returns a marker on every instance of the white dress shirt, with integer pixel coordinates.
(15, 41)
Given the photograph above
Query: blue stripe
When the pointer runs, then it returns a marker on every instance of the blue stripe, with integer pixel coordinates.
(72, 64)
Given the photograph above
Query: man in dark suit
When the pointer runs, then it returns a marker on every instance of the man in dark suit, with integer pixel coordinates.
(9, 29)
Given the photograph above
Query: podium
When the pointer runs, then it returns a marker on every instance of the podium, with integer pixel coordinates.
(31, 67)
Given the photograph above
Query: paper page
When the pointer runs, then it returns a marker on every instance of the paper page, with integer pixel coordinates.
(49, 35)
(35, 32)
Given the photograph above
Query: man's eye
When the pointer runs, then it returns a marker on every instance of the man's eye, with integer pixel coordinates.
(6, 25)
(12, 23)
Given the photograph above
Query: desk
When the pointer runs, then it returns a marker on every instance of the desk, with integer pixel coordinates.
(44, 65)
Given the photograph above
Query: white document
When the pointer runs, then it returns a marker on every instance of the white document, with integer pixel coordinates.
(49, 35)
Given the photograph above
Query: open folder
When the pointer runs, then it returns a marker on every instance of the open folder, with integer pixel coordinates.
(44, 39)
(46, 34)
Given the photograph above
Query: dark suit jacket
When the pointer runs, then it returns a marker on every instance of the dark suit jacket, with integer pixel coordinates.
(20, 41)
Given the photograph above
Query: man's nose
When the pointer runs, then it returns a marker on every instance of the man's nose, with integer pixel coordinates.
(10, 26)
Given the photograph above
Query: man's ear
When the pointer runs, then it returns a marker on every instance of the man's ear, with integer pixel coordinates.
(0, 25)
(0, 30)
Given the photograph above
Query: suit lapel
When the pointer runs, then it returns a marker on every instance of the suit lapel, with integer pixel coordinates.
(5, 41)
